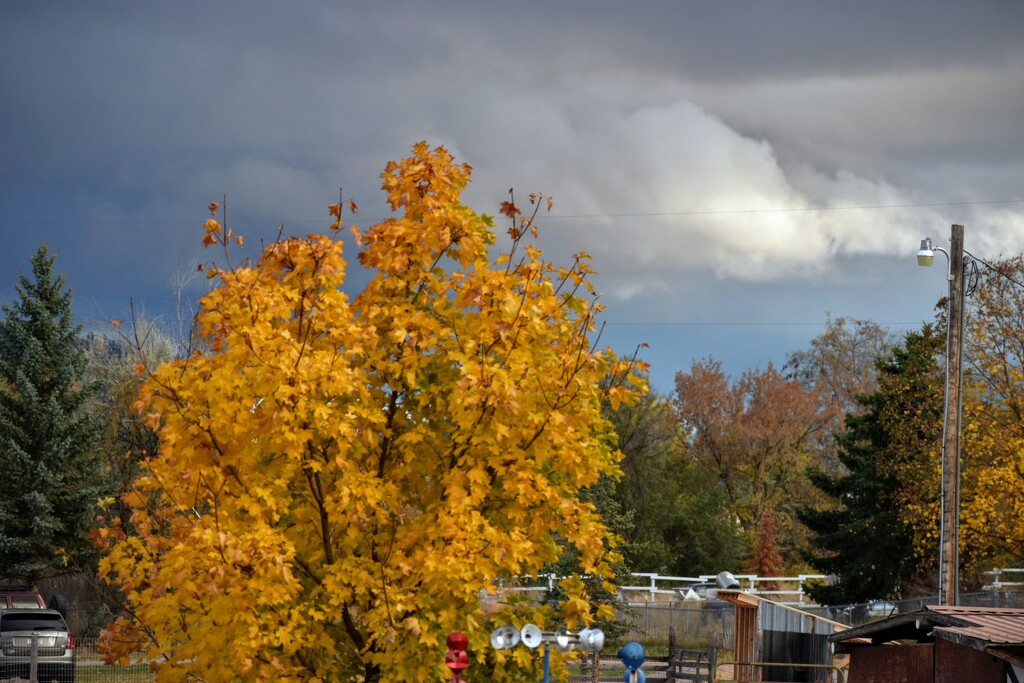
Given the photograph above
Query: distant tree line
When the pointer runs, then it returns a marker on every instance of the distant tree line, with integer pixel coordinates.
(830, 463)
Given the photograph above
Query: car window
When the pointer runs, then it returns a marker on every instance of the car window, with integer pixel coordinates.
(24, 601)
(32, 622)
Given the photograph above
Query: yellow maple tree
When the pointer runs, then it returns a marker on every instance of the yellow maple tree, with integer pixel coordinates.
(992, 452)
(340, 480)
(991, 456)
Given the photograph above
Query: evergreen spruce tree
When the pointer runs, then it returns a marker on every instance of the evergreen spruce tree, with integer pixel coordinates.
(864, 540)
(50, 477)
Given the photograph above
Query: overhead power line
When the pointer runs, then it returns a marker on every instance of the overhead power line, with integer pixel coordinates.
(806, 209)
(637, 214)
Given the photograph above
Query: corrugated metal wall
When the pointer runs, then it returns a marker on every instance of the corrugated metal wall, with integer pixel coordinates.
(778, 618)
(788, 636)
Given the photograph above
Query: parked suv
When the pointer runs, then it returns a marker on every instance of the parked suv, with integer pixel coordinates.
(40, 635)
(18, 595)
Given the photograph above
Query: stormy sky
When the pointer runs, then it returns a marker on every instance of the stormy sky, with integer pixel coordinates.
(738, 171)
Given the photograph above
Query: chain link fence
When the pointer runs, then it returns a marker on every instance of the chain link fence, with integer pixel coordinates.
(693, 628)
(864, 612)
(653, 623)
(656, 626)
(31, 664)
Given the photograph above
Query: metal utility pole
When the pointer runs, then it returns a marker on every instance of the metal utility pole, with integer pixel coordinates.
(949, 542)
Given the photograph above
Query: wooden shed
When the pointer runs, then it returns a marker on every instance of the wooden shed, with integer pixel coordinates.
(779, 643)
(937, 644)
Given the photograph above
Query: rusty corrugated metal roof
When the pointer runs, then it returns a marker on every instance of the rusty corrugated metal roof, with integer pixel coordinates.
(976, 627)
(992, 625)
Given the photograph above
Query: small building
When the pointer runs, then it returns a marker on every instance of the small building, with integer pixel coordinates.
(780, 643)
(937, 644)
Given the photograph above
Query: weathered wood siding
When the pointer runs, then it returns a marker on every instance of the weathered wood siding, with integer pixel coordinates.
(893, 664)
(959, 664)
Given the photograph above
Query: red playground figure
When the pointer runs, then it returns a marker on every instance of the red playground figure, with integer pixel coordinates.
(456, 657)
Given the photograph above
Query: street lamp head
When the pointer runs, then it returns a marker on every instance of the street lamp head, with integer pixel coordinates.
(925, 255)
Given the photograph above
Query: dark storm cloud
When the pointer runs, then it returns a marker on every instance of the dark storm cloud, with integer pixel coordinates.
(120, 121)
(745, 41)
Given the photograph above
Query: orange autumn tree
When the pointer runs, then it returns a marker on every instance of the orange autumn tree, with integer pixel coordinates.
(339, 481)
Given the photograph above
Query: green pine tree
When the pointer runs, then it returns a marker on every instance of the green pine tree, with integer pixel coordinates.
(863, 539)
(49, 468)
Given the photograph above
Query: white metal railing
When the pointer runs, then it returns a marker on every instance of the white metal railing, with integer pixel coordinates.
(789, 588)
(658, 587)
(997, 582)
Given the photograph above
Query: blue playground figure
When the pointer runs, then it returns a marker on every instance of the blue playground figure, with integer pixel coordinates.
(632, 655)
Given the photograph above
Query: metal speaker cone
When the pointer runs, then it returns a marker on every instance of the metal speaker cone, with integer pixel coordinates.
(564, 641)
(591, 639)
(504, 637)
(532, 636)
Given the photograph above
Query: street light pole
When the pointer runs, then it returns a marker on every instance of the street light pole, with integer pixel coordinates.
(949, 529)
(949, 543)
